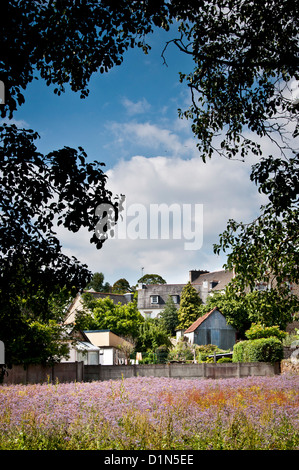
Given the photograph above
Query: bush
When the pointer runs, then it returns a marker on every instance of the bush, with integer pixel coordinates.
(258, 350)
(183, 351)
(224, 359)
(257, 330)
(290, 340)
(205, 350)
(162, 354)
(148, 358)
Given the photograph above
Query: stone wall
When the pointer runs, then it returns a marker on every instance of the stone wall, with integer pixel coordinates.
(77, 371)
(36, 373)
(289, 367)
(182, 371)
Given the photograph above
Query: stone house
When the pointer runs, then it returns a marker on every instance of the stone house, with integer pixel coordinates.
(152, 297)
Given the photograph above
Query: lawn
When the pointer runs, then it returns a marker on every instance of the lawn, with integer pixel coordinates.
(153, 414)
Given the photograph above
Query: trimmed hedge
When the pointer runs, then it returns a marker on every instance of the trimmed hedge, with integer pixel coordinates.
(258, 350)
(257, 331)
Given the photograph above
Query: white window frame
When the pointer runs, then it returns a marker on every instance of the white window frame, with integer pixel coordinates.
(154, 299)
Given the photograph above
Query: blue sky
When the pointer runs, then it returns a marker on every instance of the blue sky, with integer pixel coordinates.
(130, 122)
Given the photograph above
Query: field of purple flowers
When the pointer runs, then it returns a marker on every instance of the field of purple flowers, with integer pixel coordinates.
(153, 413)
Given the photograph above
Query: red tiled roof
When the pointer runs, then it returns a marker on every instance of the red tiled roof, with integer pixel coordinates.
(199, 321)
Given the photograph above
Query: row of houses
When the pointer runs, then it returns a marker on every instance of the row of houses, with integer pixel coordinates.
(152, 297)
(106, 348)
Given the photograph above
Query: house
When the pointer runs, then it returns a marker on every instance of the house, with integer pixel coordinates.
(77, 303)
(208, 283)
(95, 347)
(211, 328)
(152, 297)
(112, 347)
(81, 349)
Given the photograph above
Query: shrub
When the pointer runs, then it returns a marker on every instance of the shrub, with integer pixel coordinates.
(205, 350)
(162, 354)
(258, 350)
(257, 330)
(183, 351)
(291, 340)
(224, 359)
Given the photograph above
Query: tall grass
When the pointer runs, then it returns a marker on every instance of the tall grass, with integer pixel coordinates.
(152, 413)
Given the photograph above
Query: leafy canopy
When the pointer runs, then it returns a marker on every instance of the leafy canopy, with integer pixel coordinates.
(151, 279)
(246, 57)
(98, 314)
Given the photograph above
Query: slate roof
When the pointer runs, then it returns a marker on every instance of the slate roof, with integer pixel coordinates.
(200, 320)
(102, 295)
(220, 278)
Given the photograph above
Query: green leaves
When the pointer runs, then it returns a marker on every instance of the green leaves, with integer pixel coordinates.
(189, 306)
(243, 60)
(66, 42)
(38, 193)
(169, 316)
(123, 320)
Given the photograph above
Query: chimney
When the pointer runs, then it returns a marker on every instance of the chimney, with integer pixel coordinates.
(195, 274)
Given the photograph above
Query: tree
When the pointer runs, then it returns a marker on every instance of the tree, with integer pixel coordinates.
(127, 347)
(123, 320)
(97, 283)
(245, 55)
(37, 192)
(189, 306)
(169, 316)
(31, 326)
(266, 250)
(152, 335)
(183, 351)
(245, 308)
(151, 279)
(245, 66)
(121, 286)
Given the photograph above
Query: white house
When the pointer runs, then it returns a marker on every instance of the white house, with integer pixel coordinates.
(95, 347)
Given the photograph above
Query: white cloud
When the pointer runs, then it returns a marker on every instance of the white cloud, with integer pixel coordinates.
(138, 107)
(151, 137)
(222, 187)
(20, 123)
(172, 172)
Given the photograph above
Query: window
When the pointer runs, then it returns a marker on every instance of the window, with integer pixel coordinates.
(175, 298)
(154, 299)
(93, 358)
(261, 286)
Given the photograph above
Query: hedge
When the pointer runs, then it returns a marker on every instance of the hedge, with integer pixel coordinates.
(258, 350)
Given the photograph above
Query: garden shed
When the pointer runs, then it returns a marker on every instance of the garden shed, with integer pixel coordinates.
(212, 328)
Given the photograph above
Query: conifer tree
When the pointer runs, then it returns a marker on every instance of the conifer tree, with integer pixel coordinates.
(169, 316)
(189, 306)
